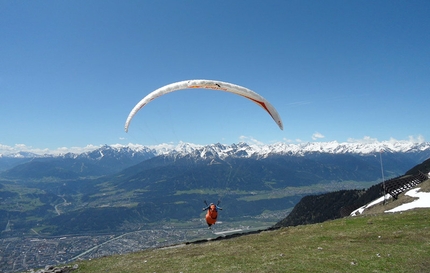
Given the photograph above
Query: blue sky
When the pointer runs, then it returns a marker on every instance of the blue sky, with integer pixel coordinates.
(71, 71)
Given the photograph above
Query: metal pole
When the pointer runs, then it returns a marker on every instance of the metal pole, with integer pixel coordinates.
(382, 172)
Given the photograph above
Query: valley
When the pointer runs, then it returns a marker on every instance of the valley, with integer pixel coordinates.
(32, 251)
(58, 209)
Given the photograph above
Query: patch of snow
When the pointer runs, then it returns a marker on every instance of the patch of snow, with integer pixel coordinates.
(371, 204)
(227, 231)
(423, 201)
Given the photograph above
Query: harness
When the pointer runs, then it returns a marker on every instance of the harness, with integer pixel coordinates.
(213, 213)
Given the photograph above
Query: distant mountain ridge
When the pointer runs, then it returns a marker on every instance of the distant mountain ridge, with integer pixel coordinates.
(261, 151)
(109, 159)
(240, 149)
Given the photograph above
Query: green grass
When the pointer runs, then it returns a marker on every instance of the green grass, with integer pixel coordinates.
(373, 243)
(196, 191)
(24, 199)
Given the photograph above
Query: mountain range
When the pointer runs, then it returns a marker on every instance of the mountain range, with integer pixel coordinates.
(138, 185)
(222, 149)
(112, 158)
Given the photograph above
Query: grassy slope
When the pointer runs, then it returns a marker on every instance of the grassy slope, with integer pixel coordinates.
(397, 242)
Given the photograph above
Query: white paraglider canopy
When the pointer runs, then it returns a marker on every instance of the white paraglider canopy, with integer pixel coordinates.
(207, 84)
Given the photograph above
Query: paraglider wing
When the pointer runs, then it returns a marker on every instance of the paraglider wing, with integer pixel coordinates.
(207, 84)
